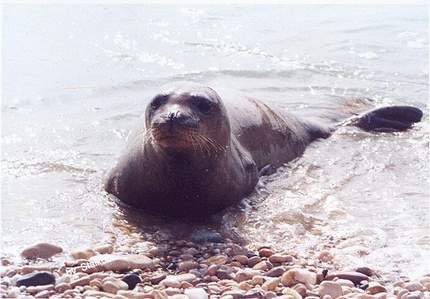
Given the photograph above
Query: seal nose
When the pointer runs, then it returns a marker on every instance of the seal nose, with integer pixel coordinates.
(180, 118)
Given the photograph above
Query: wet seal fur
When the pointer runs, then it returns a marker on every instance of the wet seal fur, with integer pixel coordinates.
(195, 154)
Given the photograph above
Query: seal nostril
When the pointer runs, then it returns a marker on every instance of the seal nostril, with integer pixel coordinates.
(171, 116)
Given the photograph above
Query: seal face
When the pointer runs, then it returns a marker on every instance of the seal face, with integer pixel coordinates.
(182, 121)
(195, 153)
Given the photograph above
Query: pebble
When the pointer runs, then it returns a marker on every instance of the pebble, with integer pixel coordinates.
(113, 285)
(211, 270)
(375, 288)
(345, 282)
(104, 249)
(35, 279)
(217, 260)
(355, 277)
(80, 282)
(235, 249)
(245, 274)
(44, 294)
(131, 280)
(41, 250)
(301, 289)
(276, 272)
(61, 287)
(186, 266)
(172, 291)
(325, 256)
(37, 289)
(245, 286)
(29, 269)
(262, 266)
(157, 278)
(242, 259)
(331, 288)
(280, 259)
(122, 263)
(83, 254)
(253, 261)
(292, 293)
(188, 277)
(294, 276)
(196, 293)
(415, 295)
(14, 292)
(156, 294)
(271, 284)
(171, 282)
(224, 274)
(265, 252)
(257, 280)
(414, 286)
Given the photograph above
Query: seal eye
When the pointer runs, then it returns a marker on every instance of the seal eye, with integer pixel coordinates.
(158, 101)
(203, 104)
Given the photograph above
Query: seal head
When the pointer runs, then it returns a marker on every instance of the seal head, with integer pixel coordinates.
(188, 120)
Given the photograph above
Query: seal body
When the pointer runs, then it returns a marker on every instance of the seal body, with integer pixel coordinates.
(194, 154)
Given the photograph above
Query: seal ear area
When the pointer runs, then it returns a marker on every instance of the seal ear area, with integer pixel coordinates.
(390, 119)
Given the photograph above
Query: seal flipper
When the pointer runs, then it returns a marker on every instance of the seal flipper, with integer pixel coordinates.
(389, 119)
(267, 170)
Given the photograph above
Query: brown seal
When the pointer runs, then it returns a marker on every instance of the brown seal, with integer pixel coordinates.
(195, 154)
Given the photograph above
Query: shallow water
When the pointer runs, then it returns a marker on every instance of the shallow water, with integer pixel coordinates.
(76, 79)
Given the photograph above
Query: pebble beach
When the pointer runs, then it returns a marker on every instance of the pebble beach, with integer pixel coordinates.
(184, 269)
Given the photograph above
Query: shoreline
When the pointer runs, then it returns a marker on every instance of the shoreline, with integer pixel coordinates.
(183, 269)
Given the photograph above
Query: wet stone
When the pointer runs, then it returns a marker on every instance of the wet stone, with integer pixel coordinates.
(122, 263)
(331, 288)
(217, 260)
(253, 261)
(275, 272)
(35, 279)
(187, 265)
(104, 249)
(262, 266)
(171, 282)
(375, 288)
(81, 281)
(113, 285)
(270, 284)
(265, 252)
(224, 274)
(294, 276)
(242, 259)
(41, 250)
(131, 280)
(325, 257)
(157, 278)
(83, 254)
(280, 259)
(355, 277)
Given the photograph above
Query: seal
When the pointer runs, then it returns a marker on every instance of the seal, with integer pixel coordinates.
(195, 154)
